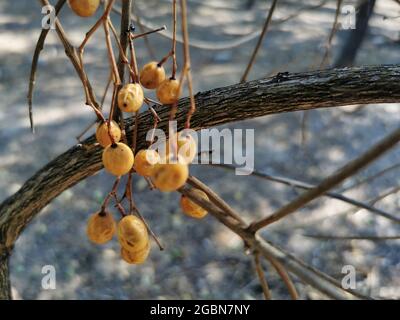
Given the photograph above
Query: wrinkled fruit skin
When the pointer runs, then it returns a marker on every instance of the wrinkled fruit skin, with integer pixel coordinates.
(192, 209)
(102, 136)
(169, 177)
(168, 91)
(132, 234)
(100, 228)
(137, 257)
(84, 8)
(186, 147)
(118, 159)
(130, 97)
(152, 75)
(145, 160)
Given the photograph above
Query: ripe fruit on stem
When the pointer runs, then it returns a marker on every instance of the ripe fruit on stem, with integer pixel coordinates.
(145, 160)
(103, 136)
(136, 257)
(168, 91)
(130, 97)
(152, 75)
(186, 147)
(84, 8)
(100, 227)
(192, 209)
(170, 176)
(132, 234)
(118, 159)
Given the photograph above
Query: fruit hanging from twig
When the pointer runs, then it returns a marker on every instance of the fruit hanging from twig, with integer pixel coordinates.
(132, 233)
(118, 159)
(101, 227)
(103, 135)
(84, 8)
(170, 176)
(145, 160)
(191, 208)
(131, 97)
(168, 92)
(152, 75)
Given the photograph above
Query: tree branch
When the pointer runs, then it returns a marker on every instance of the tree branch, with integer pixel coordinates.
(5, 286)
(321, 89)
(330, 182)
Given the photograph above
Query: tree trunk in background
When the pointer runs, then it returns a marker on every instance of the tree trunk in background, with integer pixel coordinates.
(357, 35)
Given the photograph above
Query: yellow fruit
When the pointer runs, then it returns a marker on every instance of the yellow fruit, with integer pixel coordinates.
(168, 91)
(132, 233)
(130, 97)
(100, 227)
(186, 147)
(84, 8)
(170, 176)
(192, 209)
(152, 75)
(145, 160)
(102, 135)
(137, 257)
(118, 159)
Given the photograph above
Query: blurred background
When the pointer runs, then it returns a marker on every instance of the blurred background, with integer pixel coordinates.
(203, 260)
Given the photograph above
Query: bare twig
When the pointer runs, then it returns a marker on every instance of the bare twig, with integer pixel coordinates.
(331, 34)
(259, 42)
(372, 177)
(280, 269)
(351, 168)
(187, 72)
(35, 60)
(261, 276)
(306, 186)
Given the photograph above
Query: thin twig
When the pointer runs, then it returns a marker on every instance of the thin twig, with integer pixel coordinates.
(261, 276)
(260, 40)
(306, 186)
(331, 34)
(372, 177)
(280, 269)
(351, 168)
(35, 60)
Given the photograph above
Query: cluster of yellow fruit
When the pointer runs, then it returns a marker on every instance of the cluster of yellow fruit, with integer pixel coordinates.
(167, 173)
(132, 235)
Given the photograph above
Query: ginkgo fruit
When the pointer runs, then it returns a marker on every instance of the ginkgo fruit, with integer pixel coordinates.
(152, 75)
(132, 233)
(145, 160)
(130, 97)
(168, 91)
(118, 159)
(103, 134)
(170, 176)
(136, 257)
(185, 147)
(84, 8)
(192, 209)
(101, 227)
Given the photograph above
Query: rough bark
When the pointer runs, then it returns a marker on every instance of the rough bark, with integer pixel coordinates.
(282, 93)
(5, 287)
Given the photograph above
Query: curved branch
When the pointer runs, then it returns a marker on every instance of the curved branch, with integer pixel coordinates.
(5, 286)
(291, 92)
